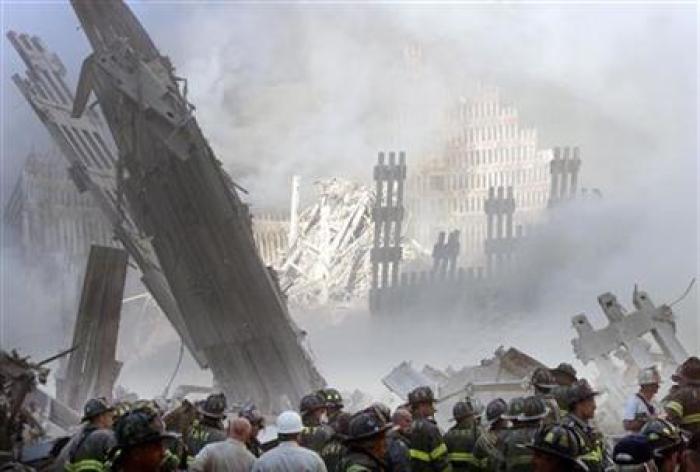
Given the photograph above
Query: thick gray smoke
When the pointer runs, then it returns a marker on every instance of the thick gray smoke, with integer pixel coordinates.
(319, 89)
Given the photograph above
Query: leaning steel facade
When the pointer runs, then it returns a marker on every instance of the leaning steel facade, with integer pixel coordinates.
(173, 208)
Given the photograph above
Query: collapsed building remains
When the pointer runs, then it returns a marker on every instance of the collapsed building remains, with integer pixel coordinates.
(506, 375)
(143, 157)
(327, 260)
(631, 342)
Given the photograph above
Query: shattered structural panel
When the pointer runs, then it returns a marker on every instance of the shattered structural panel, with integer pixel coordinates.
(92, 367)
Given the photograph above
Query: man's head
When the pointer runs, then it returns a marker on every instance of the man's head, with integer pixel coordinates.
(555, 449)
(368, 432)
(254, 417)
(666, 443)
(240, 429)
(649, 380)
(688, 373)
(333, 399)
(515, 409)
(99, 413)
(581, 400)
(542, 380)
(140, 438)
(494, 413)
(312, 408)
(565, 374)
(464, 411)
(534, 409)
(633, 454)
(422, 401)
(402, 419)
(289, 426)
(214, 407)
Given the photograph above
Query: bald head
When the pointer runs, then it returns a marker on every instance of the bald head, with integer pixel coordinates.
(402, 418)
(239, 428)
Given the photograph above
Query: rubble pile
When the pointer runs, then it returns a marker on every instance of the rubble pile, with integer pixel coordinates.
(329, 259)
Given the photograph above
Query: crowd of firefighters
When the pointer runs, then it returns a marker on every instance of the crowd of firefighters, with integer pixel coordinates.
(551, 430)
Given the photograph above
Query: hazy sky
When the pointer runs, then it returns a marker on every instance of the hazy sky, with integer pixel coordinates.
(312, 89)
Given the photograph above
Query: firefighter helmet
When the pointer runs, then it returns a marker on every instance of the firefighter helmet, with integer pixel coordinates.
(95, 407)
(495, 409)
(332, 397)
(688, 371)
(542, 378)
(464, 409)
(214, 406)
(310, 403)
(562, 442)
(579, 391)
(663, 436)
(515, 408)
(366, 426)
(534, 409)
(139, 427)
(422, 394)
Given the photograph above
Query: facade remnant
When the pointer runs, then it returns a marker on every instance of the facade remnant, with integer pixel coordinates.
(174, 209)
(501, 236)
(92, 368)
(564, 169)
(388, 213)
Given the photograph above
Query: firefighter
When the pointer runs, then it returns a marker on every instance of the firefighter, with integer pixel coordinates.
(334, 404)
(209, 427)
(639, 409)
(398, 458)
(428, 450)
(334, 449)
(666, 443)
(461, 438)
(582, 406)
(516, 458)
(141, 442)
(257, 423)
(87, 451)
(544, 383)
(683, 403)
(315, 434)
(486, 449)
(565, 376)
(366, 444)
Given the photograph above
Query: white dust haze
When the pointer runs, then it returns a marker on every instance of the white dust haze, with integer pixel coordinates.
(318, 90)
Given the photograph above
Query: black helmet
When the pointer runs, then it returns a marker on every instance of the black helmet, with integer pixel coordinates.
(663, 436)
(139, 427)
(495, 409)
(366, 426)
(633, 449)
(464, 409)
(380, 411)
(515, 408)
(422, 394)
(579, 391)
(253, 415)
(95, 407)
(214, 406)
(542, 378)
(310, 403)
(332, 397)
(560, 441)
(565, 371)
(534, 409)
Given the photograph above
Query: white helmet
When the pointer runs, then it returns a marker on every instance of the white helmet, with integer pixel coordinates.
(649, 376)
(289, 422)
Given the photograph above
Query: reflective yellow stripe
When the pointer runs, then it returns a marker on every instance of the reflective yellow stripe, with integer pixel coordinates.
(86, 465)
(596, 455)
(439, 451)
(695, 418)
(463, 457)
(675, 407)
(419, 455)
